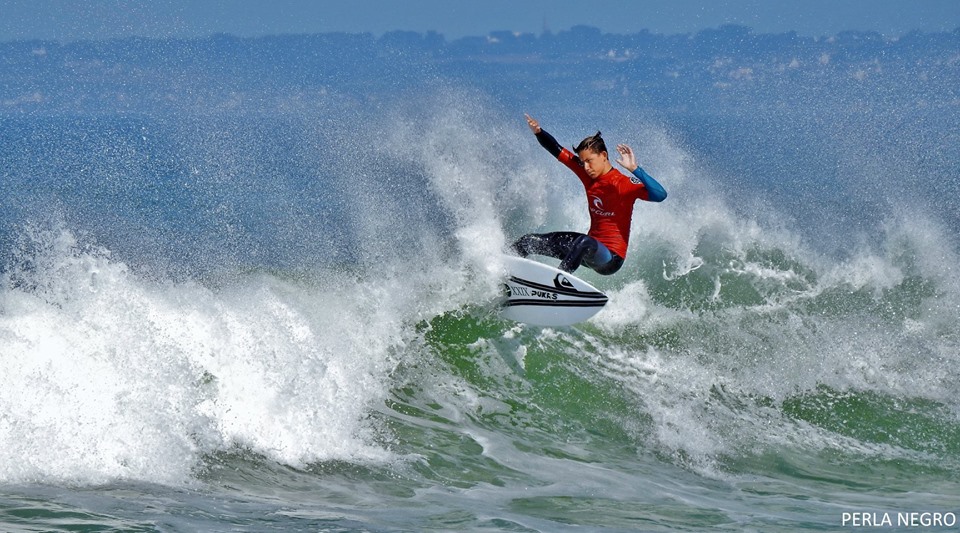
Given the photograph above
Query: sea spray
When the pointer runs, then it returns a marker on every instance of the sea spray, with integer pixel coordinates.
(125, 377)
(723, 351)
(93, 388)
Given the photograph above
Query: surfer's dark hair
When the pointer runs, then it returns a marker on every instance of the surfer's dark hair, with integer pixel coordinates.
(593, 142)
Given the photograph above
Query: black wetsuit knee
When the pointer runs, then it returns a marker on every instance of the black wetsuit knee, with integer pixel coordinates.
(573, 249)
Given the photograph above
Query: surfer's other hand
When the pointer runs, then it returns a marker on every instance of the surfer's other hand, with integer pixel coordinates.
(627, 158)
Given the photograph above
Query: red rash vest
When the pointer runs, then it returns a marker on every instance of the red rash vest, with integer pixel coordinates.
(610, 199)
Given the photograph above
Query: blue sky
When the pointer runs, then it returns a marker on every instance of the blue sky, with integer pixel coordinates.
(69, 20)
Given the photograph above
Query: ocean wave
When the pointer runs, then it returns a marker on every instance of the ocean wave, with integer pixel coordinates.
(347, 317)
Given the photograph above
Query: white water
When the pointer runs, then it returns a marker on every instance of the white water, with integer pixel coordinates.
(113, 374)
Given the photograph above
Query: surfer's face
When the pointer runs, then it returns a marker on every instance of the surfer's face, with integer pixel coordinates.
(595, 163)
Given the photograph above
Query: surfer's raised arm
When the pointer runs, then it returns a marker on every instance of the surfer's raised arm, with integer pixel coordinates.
(545, 139)
(627, 160)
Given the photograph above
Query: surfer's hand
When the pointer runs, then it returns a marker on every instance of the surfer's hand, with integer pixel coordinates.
(534, 125)
(627, 160)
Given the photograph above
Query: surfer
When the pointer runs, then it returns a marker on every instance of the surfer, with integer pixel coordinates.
(610, 199)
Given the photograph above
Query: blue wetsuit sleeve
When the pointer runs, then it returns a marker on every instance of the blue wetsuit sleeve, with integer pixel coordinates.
(655, 191)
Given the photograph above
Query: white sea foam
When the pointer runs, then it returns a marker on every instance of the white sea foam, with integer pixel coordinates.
(109, 375)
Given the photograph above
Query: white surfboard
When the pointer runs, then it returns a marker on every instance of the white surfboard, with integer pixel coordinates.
(542, 295)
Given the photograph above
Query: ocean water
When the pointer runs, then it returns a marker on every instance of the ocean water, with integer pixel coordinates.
(284, 320)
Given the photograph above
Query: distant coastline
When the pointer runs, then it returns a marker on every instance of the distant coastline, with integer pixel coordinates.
(711, 68)
(508, 36)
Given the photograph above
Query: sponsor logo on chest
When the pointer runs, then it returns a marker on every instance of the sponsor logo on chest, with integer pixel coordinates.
(596, 207)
